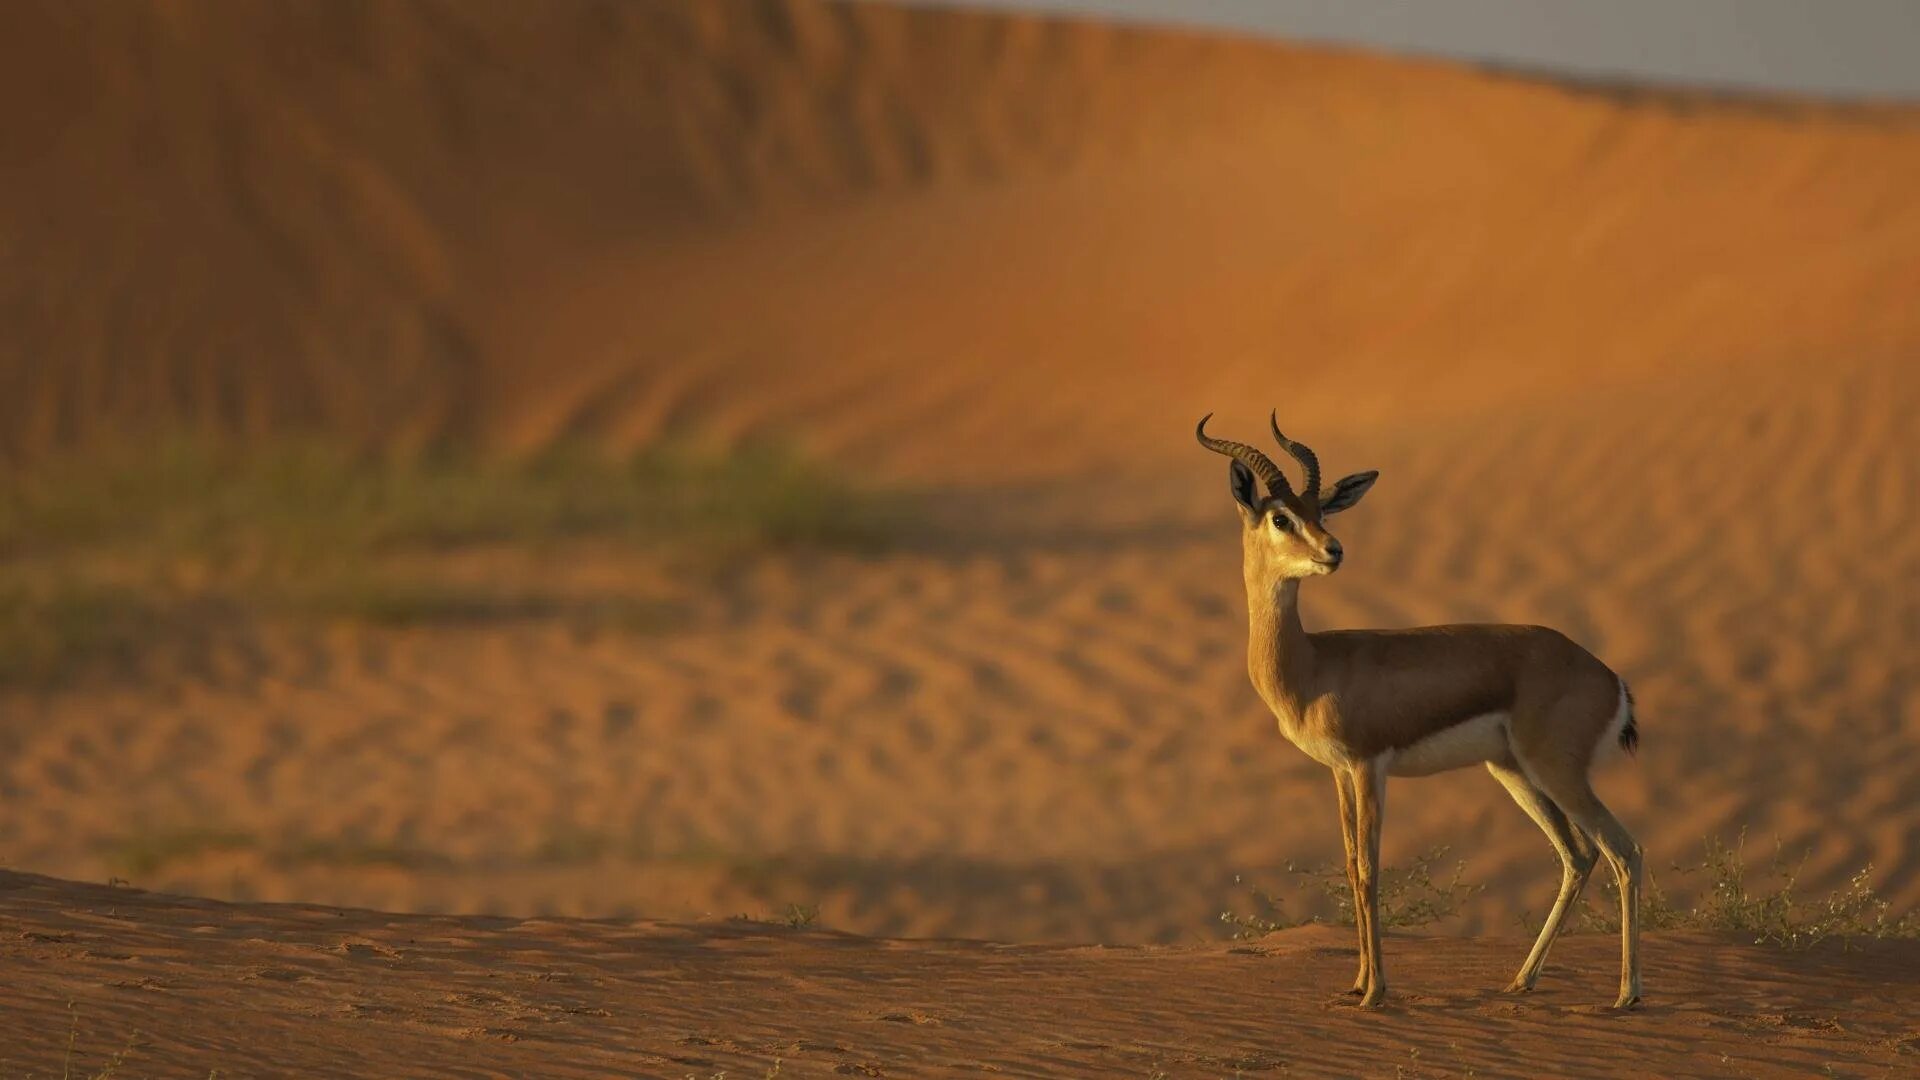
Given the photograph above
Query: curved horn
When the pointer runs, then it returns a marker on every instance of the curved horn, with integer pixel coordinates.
(1262, 466)
(1302, 453)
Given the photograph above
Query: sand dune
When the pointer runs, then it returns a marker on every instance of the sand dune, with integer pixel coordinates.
(419, 221)
(1637, 367)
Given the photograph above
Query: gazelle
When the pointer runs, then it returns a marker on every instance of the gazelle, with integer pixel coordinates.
(1531, 705)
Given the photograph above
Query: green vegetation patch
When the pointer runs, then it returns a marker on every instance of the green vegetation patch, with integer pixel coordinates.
(106, 552)
(344, 851)
(140, 854)
(48, 625)
(143, 853)
(314, 501)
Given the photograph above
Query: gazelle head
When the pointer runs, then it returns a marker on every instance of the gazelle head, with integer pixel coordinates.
(1283, 533)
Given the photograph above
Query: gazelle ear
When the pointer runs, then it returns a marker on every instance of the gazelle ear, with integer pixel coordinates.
(1346, 491)
(1240, 482)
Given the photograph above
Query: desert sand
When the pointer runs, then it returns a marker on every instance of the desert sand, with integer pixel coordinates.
(1638, 365)
(190, 988)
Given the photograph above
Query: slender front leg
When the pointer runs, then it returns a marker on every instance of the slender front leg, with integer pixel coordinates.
(1343, 783)
(1369, 779)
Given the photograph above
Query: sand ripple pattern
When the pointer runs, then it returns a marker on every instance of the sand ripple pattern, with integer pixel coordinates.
(1034, 723)
(313, 991)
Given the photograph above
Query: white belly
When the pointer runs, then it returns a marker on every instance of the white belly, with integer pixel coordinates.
(1471, 742)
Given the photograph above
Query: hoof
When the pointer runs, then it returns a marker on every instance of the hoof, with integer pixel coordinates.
(1628, 1001)
(1373, 998)
(1517, 986)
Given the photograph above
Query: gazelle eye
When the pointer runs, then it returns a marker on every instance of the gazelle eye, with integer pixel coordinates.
(1280, 522)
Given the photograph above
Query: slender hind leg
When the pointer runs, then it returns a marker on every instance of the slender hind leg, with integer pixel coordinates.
(1586, 810)
(1576, 862)
(1623, 854)
(1344, 784)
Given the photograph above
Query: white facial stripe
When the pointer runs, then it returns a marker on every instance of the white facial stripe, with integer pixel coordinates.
(1300, 527)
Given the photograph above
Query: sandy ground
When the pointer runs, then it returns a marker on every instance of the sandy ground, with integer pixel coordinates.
(191, 988)
(294, 990)
(1641, 366)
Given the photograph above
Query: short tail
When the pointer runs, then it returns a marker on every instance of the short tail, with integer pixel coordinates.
(1629, 731)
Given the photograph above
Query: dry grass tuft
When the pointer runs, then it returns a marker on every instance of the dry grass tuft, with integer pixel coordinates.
(1763, 904)
(1409, 896)
(107, 1069)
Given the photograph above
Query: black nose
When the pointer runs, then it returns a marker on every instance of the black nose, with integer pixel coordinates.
(1334, 552)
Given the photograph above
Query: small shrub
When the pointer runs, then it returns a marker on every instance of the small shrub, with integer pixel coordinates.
(1268, 915)
(1409, 896)
(796, 916)
(1768, 909)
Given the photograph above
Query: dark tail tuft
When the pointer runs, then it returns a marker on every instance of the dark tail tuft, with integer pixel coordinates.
(1629, 731)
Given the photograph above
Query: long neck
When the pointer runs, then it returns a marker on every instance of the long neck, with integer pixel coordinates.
(1279, 653)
